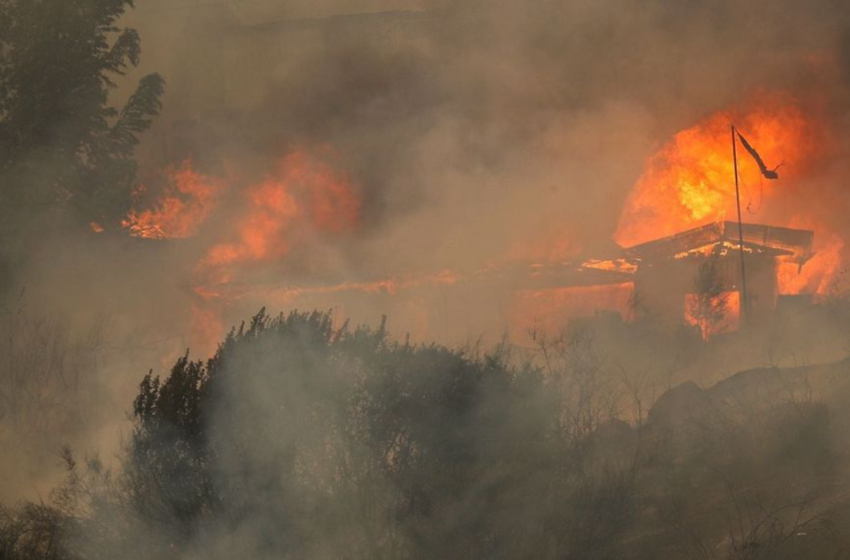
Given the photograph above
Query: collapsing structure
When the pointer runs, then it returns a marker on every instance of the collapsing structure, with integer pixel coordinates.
(695, 275)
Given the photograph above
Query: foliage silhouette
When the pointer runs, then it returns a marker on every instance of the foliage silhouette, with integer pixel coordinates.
(64, 148)
(300, 439)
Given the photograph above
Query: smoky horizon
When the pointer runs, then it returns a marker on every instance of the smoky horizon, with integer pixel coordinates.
(417, 279)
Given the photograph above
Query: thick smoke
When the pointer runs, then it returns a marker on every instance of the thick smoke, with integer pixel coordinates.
(476, 132)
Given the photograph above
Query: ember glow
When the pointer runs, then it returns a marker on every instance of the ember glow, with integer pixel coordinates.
(613, 265)
(690, 181)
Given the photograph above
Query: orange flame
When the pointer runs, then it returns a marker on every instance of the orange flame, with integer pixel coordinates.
(818, 275)
(188, 201)
(304, 194)
(690, 181)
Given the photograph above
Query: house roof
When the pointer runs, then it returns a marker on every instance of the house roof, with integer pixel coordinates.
(719, 238)
(786, 244)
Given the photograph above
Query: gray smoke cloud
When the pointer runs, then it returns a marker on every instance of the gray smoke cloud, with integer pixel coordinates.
(474, 130)
(483, 123)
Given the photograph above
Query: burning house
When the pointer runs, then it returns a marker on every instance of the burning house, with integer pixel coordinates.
(263, 223)
(696, 276)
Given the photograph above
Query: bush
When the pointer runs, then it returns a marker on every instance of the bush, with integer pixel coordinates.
(344, 443)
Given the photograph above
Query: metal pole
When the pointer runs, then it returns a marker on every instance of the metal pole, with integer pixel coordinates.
(744, 298)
